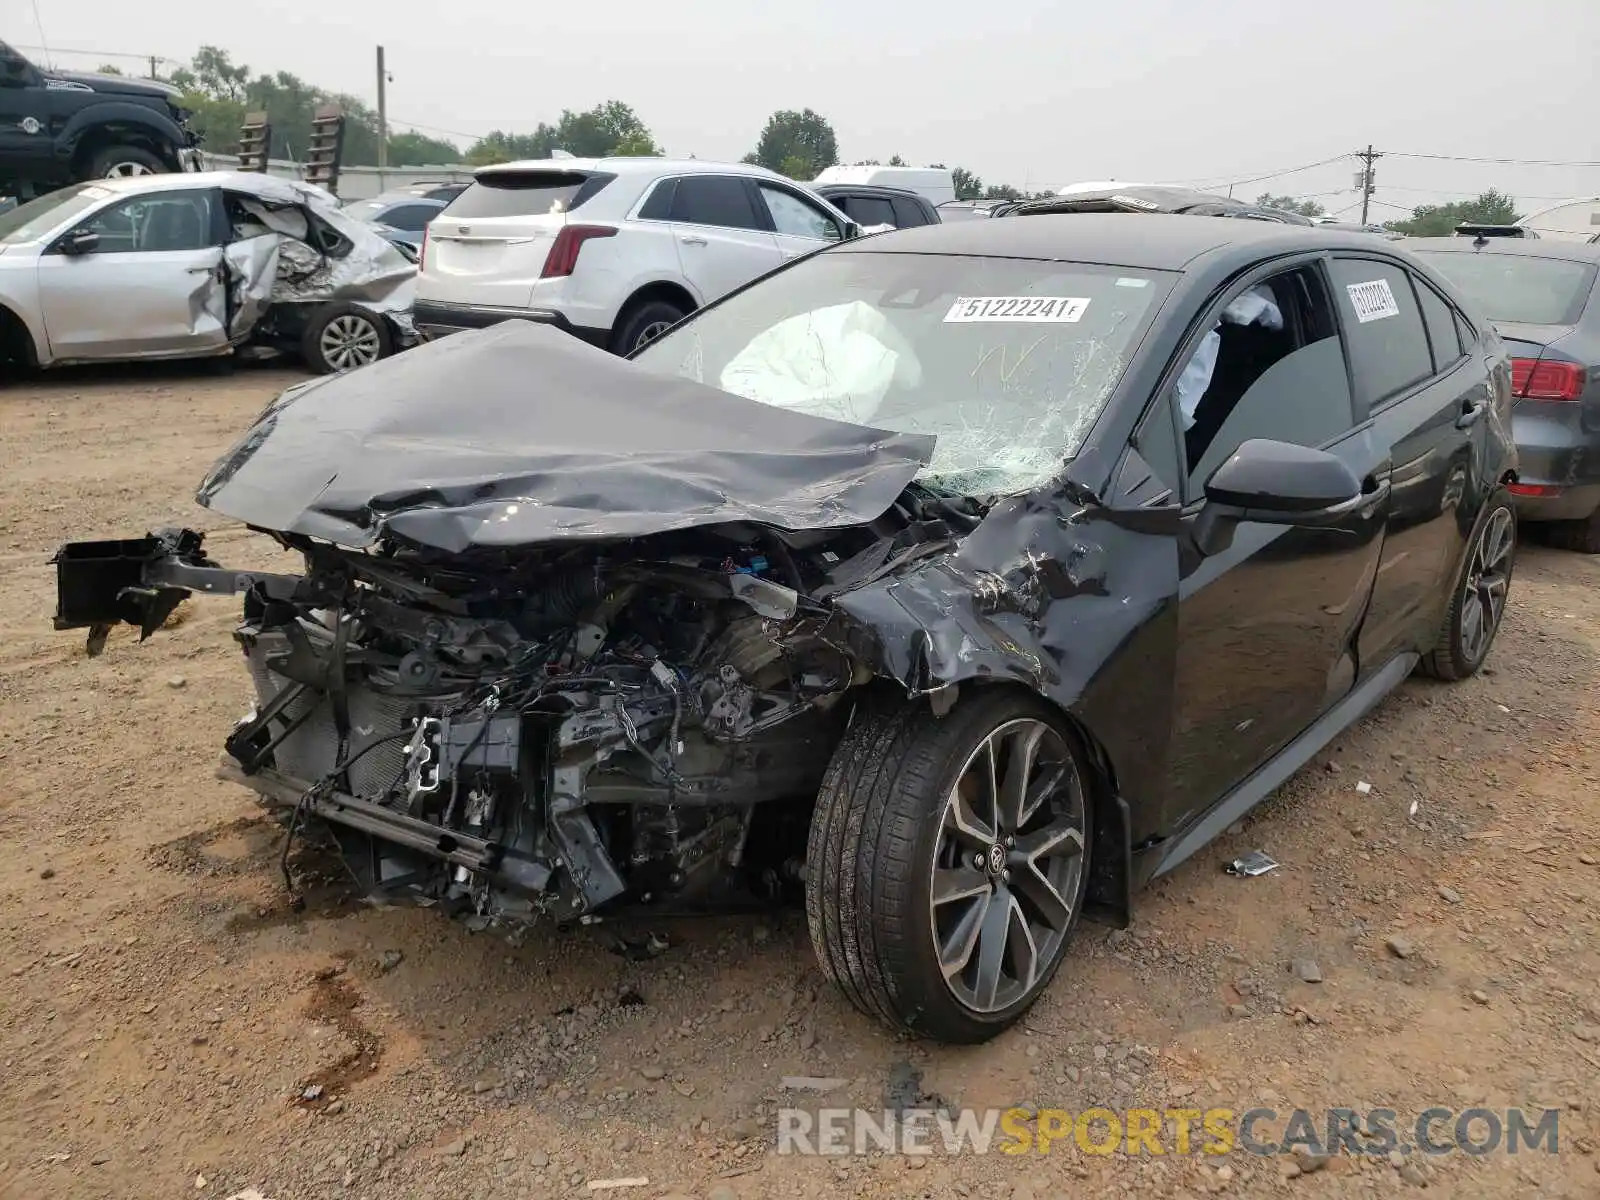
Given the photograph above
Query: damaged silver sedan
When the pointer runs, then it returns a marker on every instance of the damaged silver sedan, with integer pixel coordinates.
(198, 265)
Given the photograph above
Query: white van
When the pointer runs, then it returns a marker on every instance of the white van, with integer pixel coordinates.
(937, 185)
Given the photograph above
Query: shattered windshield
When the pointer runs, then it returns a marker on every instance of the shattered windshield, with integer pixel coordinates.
(1007, 362)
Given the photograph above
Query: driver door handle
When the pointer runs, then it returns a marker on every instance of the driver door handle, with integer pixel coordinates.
(212, 270)
(690, 239)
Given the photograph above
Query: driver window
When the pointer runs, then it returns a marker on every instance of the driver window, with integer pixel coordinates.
(166, 221)
(1271, 366)
(793, 217)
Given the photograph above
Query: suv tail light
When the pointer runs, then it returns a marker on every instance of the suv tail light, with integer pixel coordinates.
(1532, 379)
(563, 256)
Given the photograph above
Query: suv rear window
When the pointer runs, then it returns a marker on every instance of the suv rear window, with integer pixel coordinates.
(1518, 287)
(526, 193)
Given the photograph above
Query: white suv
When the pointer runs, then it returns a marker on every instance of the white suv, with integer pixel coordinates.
(613, 250)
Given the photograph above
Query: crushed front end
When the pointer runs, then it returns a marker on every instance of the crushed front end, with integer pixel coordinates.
(542, 732)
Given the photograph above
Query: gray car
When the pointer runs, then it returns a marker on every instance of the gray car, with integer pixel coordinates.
(1541, 296)
(401, 217)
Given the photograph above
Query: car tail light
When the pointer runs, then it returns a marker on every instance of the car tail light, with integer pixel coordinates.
(1532, 379)
(563, 256)
(1533, 489)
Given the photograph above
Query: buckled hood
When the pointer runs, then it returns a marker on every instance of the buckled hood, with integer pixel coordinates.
(520, 434)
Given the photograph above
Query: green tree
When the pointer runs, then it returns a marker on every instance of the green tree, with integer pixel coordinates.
(1440, 220)
(799, 144)
(1306, 208)
(107, 69)
(968, 185)
(612, 128)
(221, 92)
(413, 149)
(897, 161)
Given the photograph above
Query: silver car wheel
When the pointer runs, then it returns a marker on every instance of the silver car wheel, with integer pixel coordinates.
(126, 170)
(651, 332)
(350, 341)
(1007, 866)
(1483, 600)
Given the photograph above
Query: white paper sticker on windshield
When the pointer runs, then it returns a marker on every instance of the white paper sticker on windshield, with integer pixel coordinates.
(1017, 308)
(1372, 301)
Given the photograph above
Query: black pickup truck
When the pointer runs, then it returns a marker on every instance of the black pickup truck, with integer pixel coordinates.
(58, 128)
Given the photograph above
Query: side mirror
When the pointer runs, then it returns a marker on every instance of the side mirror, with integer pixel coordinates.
(849, 230)
(1278, 483)
(79, 241)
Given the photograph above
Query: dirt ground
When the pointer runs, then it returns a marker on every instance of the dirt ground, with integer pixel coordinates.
(163, 1012)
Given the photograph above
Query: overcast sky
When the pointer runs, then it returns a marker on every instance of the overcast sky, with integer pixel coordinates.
(1027, 92)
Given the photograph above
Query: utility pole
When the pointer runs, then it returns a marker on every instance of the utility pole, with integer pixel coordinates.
(1365, 178)
(383, 120)
(154, 59)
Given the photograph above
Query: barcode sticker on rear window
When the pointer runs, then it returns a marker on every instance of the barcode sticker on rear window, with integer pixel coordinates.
(1017, 308)
(1372, 301)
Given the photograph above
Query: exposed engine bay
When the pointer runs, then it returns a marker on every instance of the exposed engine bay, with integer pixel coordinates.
(549, 732)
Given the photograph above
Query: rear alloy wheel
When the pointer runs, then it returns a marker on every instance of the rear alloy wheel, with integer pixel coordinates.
(644, 324)
(1478, 604)
(1582, 536)
(948, 862)
(125, 162)
(343, 337)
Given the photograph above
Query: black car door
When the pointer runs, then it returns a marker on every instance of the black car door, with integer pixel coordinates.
(1266, 626)
(1426, 395)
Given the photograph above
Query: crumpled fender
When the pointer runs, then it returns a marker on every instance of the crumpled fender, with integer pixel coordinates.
(126, 113)
(1062, 595)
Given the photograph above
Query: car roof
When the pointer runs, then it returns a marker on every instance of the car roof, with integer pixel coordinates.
(400, 198)
(180, 180)
(865, 189)
(1522, 247)
(641, 165)
(1153, 241)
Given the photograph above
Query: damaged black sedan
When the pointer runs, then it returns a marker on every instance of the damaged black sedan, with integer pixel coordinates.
(963, 578)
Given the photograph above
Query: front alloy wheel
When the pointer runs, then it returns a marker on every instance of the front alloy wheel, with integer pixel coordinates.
(948, 862)
(1007, 865)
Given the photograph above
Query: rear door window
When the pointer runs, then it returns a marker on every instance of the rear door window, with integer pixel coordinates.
(909, 214)
(721, 200)
(525, 193)
(1440, 320)
(412, 218)
(871, 210)
(1383, 326)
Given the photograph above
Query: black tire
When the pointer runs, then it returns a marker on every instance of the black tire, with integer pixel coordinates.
(641, 323)
(344, 337)
(1581, 536)
(1457, 653)
(114, 161)
(882, 829)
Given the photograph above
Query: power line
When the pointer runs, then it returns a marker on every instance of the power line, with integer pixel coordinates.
(1512, 162)
(1207, 179)
(1389, 187)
